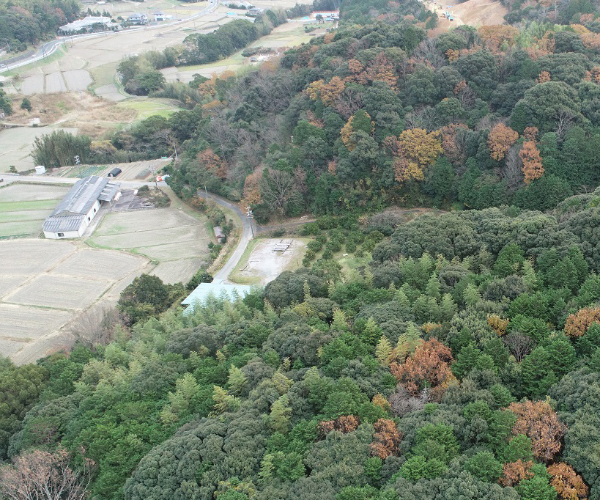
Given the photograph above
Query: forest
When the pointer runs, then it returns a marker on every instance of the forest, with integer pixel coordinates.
(452, 356)
(461, 361)
(385, 110)
(26, 22)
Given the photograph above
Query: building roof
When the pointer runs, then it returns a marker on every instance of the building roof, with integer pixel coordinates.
(84, 23)
(81, 197)
(64, 224)
(72, 209)
(216, 290)
(109, 191)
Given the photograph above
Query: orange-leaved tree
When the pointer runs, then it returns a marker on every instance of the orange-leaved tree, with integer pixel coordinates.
(538, 421)
(452, 150)
(543, 77)
(428, 366)
(360, 121)
(497, 324)
(514, 472)
(251, 189)
(532, 161)
(577, 324)
(212, 162)
(567, 482)
(416, 149)
(500, 140)
(497, 37)
(378, 69)
(386, 439)
(530, 133)
(343, 424)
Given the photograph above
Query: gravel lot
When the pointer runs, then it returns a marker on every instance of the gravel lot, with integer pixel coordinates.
(264, 264)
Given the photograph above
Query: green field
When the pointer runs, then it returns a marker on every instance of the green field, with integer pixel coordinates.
(103, 75)
(18, 206)
(26, 207)
(147, 107)
(83, 171)
(20, 229)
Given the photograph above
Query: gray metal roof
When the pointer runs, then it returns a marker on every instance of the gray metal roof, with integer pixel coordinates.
(73, 208)
(109, 191)
(81, 197)
(84, 23)
(63, 224)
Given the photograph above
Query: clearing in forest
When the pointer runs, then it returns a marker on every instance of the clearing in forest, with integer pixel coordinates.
(267, 258)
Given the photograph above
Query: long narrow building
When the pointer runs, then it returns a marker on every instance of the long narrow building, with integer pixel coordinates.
(80, 205)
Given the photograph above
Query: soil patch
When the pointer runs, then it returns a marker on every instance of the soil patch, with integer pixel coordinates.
(267, 259)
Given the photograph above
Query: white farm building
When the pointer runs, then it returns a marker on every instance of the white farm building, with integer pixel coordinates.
(80, 205)
(87, 24)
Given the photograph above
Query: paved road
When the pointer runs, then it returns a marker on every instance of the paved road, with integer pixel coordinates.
(49, 48)
(248, 230)
(44, 179)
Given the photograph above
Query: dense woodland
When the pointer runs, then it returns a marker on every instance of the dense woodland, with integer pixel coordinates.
(25, 22)
(455, 356)
(462, 361)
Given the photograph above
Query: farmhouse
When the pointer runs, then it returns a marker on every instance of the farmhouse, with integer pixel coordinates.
(80, 205)
(137, 18)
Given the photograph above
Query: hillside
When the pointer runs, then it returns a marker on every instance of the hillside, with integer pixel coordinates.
(452, 356)
(424, 372)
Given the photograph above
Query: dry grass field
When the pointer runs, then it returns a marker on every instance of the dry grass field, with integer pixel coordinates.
(23, 208)
(15, 146)
(170, 236)
(44, 285)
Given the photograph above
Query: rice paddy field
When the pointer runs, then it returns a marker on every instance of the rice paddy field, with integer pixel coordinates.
(175, 240)
(46, 284)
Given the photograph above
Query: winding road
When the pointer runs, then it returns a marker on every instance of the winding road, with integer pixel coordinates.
(249, 229)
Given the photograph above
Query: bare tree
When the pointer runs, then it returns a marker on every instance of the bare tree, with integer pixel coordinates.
(513, 168)
(276, 188)
(39, 475)
(403, 402)
(565, 121)
(97, 325)
(519, 345)
(427, 52)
